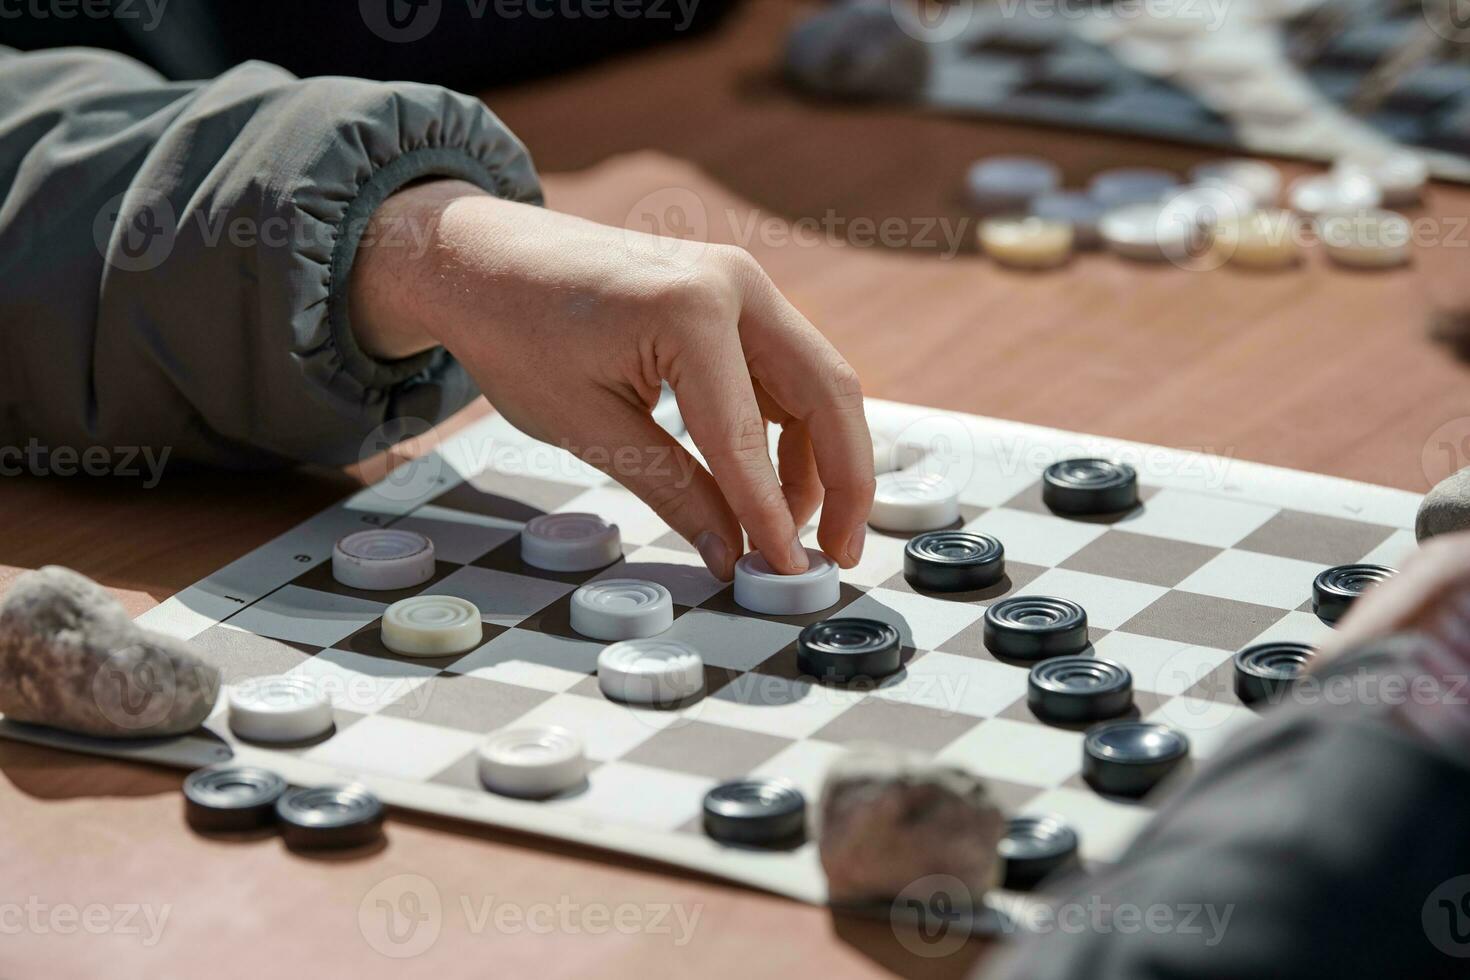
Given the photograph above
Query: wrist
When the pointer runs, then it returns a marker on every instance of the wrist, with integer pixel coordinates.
(390, 293)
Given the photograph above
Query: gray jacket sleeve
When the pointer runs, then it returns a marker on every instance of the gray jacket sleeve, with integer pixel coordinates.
(174, 257)
(1329, 841)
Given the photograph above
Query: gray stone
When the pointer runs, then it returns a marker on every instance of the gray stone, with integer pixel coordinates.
(71, 659)
(856, 50)
(1446, 508)
(889, 819)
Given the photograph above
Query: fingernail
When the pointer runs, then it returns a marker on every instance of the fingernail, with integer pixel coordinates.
(716, 556)
(799, 560)
(855, 544)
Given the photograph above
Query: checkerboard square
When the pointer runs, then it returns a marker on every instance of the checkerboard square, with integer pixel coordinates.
(1249, 576)
(608, 729)
(1210, 725)
(1396, 549)
(502, 598)
(993, 484)
(1208, 621)
(1140, 558)
(394, 747)
(459, 536)
(636, 521)
(529, 659)
(777, 705)
(1109, 602)
(1198, 518)
(307, 616)
(1018, 752)
(1296, 627)
(1316, 539)
(895, 723)
(1165, 667)
(239, 655)
(644, 796)
(363, 684)
(803, 763)
(319, 577)
(472, 704)
(699, 748)
(1034, 539)
(511, 499)
(682, 573)
(736, 642)
(951, 684)
(923, 622)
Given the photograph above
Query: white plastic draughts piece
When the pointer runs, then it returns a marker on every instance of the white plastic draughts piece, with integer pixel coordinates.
(570, 542)
(914, 502)
(761, 589)
(383, 559)
(1027, 242)
(1265, 239)
(1333, 193)
(535, 761)
(1256, 177)
(280, 709)
(431, 626)
(1147, 231)
(1372, 239)
(1009, 183)
(1131, 185)
(621, 609)
(1399, 174)
(650, 671)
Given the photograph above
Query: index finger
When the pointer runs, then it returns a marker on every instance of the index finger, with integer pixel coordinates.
(805, 374)
(716, 398)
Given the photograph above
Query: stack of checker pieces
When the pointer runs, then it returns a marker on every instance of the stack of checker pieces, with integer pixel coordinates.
(1219, 555)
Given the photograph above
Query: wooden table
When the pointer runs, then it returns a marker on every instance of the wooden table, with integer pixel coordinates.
(1317, 369)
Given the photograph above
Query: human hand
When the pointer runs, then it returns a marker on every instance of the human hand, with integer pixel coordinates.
(570, 326)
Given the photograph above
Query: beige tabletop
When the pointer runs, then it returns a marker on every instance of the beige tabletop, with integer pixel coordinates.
(1318, 369)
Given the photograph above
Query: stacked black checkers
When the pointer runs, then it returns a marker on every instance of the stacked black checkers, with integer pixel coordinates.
(329, 816)
(1089, 486)
(231, 799)
(1266, 672)
(1336, 589)
(1071, 690)
(1034, 849)
(953, 561)
(1035, 627)
(757, 812)
(1128, 758)
(844, 650)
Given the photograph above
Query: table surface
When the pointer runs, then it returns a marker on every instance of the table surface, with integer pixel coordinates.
(1318, 369)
